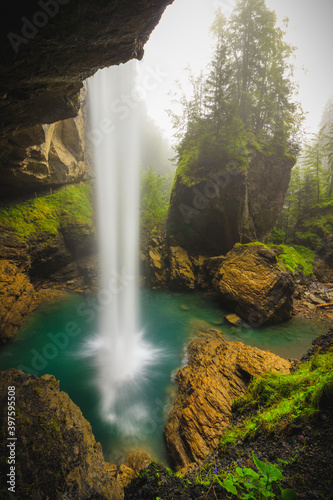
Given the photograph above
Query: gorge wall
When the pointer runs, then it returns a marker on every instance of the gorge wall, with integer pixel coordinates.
(48, 49)
(208, 215)
(56, 157)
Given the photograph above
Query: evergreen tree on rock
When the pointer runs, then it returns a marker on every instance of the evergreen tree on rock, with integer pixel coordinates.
(235, 155)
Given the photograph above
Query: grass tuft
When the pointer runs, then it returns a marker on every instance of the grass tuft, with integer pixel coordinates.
(275, 401)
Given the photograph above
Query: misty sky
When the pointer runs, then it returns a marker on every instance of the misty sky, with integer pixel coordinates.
(182, 38)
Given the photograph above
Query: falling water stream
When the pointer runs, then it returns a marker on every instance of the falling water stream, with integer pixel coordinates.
(121, 355)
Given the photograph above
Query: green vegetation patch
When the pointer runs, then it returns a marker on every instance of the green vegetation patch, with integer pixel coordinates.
(70, 205)
(275, 401)
(155, 200)
(296, 259)
(204, 157)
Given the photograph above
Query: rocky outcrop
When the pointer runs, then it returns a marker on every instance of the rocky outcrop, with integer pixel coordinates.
(157, 263)
(251, 283)
(248, 280)
(323, 268)
(56, 158)
(17, 296)
(182, 270)
(208, 215)
(174, 267)
(217, 372)
(321, 345)
(49, 48)
(203, 220)
(56, 453)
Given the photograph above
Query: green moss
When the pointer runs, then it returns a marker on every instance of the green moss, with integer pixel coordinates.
(70, 205)
(296, 259)
(275, 401)
(204, 155)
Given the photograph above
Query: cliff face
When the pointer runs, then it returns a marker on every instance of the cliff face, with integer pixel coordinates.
(230, 206)
(48, 49)
(56, 455)
(56, 158)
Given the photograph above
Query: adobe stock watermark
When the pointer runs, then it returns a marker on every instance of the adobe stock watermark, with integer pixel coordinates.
(209, 191)
(40, 19)
(56, 343)
(121, 108)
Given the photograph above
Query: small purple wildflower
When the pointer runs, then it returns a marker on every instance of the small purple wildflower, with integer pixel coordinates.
(215, 471)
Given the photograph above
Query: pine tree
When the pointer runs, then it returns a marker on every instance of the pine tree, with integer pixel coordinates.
(245, 101)
(313, 161)
(328, 160)
(327, 116)
(220, 87)
(263, 71)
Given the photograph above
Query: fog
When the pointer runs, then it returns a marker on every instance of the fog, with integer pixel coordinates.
(182, 38)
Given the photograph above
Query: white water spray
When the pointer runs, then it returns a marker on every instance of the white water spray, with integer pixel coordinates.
(121, 355)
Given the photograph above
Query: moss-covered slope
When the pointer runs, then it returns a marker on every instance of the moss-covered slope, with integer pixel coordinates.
(46, 243)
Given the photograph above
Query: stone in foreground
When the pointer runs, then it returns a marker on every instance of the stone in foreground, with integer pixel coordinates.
(57, 455)
(217, 372)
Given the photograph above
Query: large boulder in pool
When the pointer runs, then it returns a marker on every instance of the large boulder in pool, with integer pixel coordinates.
(251, 283)
(55, 454)
(217, 372)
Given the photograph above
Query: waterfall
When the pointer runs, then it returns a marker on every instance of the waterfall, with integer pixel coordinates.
(121, 356)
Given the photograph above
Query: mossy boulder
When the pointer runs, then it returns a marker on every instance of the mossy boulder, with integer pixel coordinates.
(251, 283)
